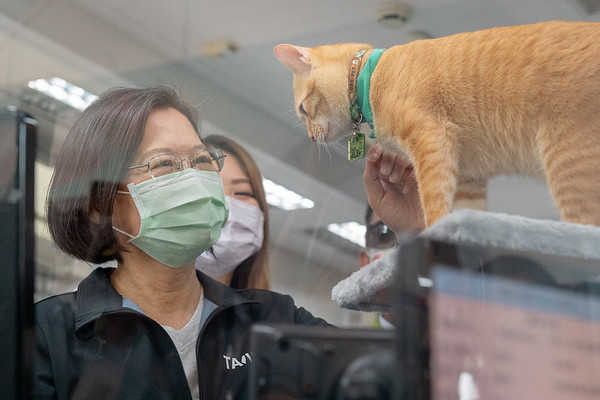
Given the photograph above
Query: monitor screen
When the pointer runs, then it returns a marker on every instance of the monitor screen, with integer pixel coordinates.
(501, 324)
(504, 338)
(17, 156)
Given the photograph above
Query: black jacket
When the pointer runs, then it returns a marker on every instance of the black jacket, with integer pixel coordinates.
(88, 346)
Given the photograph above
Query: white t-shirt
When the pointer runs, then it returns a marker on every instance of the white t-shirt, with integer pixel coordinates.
(185, 341)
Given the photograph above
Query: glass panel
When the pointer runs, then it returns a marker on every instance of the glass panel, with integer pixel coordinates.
(58, 57)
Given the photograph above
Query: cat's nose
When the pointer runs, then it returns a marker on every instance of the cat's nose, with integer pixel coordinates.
(314, 139)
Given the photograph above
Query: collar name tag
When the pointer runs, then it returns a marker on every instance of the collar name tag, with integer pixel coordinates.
(356, 146)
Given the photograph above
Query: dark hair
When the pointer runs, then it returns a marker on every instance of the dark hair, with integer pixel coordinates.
(94, 160)
(254, 272)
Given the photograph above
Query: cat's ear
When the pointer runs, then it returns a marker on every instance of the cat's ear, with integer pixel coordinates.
(295, 58)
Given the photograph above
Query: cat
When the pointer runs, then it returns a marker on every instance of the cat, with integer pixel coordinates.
(517, 100)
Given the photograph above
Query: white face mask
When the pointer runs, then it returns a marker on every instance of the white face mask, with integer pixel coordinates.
(241, 237)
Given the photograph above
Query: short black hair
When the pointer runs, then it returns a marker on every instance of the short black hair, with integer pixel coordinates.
(93, 161)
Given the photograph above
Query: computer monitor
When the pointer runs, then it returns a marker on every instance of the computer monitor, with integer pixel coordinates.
(491, 323)
(17, 157)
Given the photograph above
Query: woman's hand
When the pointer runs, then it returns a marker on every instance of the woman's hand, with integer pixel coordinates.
(392, 190)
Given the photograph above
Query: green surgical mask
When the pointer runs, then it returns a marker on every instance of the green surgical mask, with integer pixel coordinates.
(181, 215)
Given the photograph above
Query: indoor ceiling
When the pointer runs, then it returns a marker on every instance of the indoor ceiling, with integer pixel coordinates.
(219, 53)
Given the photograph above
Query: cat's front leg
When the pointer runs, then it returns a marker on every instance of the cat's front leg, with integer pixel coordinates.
(436, 170)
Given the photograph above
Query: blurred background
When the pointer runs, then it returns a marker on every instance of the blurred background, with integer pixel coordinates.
(56, 55)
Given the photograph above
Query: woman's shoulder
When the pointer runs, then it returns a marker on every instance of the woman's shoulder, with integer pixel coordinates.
(90, 297)
(50, 309)
(265, 295)
(275, 303)
(56, 301)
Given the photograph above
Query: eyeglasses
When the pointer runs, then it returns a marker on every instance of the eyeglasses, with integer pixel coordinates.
(379, 236)
(164, 164)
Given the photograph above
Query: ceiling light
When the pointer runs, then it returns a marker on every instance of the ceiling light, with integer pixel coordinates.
(392, 14)
(285, 199)
(352, 231)
(64, 92)
(590, 6)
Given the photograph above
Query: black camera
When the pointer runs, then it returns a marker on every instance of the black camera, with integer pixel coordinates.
(316, 362)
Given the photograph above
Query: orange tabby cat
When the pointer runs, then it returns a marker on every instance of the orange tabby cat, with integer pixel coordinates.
(513, 100)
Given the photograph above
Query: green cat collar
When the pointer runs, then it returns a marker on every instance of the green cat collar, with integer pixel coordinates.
(358, 95)
(363, 86)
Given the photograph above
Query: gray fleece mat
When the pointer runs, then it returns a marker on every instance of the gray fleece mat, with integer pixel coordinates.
(365, 289)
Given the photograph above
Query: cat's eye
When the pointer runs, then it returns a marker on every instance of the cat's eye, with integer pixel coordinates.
(301, 109)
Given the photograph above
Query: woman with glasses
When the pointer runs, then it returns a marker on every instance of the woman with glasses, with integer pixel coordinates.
(135, 183)
(240, 258)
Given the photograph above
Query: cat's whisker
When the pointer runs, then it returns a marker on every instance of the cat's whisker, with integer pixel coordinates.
(319, 147)
(333, 150)
(330, 147)
(340, 147)
(326, 149)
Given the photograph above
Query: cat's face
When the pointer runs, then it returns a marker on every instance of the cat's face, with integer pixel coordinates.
(321, 88)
